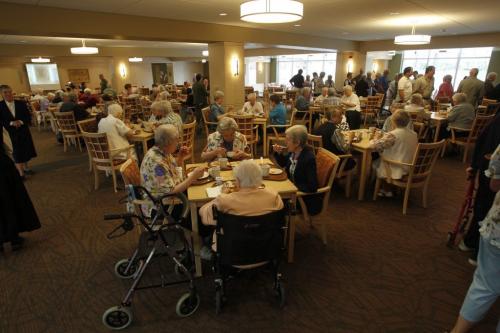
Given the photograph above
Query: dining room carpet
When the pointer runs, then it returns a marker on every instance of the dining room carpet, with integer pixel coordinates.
(380, 272)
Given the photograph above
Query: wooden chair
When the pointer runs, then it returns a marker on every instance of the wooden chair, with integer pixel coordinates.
(278, 133)
(315, 110)
(370, 109)
(327, 164)
(315, 141)
(478, 125)
(67, 125)
(290, 97)
(490, 109)
(188, 136)
(443, 100)
(38, 115)
(130, 172)
(419, 172)
(302, 118)
(247, 127)
(176, 106)
(132, 108)
(103, 158)
(487, 101)
(210, 126)
(342, 173)
(88, 126)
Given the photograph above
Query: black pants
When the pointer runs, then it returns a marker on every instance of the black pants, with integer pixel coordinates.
(353, 119)
(482, 204)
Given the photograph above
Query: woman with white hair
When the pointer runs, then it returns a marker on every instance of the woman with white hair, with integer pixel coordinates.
(226, 139)
(300, 164)
(446, 88)
(352, 107)
(163, 96)
(253, 107)
(248, 178)
(162, 113)
(217, 111)
(461, 115)
(398, 145)
(116, 131)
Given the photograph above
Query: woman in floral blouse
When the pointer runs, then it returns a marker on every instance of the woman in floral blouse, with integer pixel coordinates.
(162, 113)
(226, 139)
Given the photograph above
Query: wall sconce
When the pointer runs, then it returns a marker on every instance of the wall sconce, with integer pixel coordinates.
(350, 65)
(123, 70)
(375, 67)
(236, 67)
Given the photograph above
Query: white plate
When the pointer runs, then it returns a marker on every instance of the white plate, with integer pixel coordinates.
(275, 171)
(205, 175)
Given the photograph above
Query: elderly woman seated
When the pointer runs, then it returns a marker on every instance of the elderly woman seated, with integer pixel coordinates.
(303, 101)
(321, 98)
(352, 107)
(300, 164)
(88, 99)
(217, 111)
(117, 132)
(253, 107)
(70, 104)
(226, 141)
(461, 116)
(415, 109)
(248, 178)
(162, 113)
(398, 145)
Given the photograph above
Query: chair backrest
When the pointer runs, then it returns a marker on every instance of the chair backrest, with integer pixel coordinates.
(88, 125)
(144, 91)
(490, 109)
(443, 100)
(146, 112)
(188, 135)
(315, 141)
(246, 126)
(98, 147)
(66, 122)
(130, 173)
(249, 240)
(176, 106)
(371, 104)
(35, 105)
(291, 95)
(424, 160)
(478, 125)
(301, 117)
(487, 101)
(380, 99)
(326, 167)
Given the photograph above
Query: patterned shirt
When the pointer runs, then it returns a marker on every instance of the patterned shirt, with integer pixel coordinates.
(490, 226)
(158, 172)
(216, 140)
(171, 118)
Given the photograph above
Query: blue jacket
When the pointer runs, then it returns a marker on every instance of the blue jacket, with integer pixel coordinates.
(278, 115)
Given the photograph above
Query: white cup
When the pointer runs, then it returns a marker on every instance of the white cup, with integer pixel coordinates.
(214, 171)
(223, 162)
(264, 168)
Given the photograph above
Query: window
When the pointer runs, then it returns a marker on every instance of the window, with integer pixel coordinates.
(456, 62)
(289, 65)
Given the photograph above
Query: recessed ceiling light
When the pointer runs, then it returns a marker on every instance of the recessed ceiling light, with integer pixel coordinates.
(135, 59)
(40, 60)
(203, 60)
(296, 25)
(394, 13)
(204, 53)
(22, 41)
(223, 14)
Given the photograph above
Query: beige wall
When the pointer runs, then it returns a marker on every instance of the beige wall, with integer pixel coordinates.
(186, 70)
(358, 61)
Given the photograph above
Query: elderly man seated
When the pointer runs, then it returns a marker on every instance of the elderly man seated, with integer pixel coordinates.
(332, 99)
(331, 132)
(253, 107)
(88, 99)
(162, 113)
(461, 116)
(398, 145)
(248, 178)
(116, 131)
(226, 141)
(70, 104)
(321, 98)
(303, 101)
(217, 111)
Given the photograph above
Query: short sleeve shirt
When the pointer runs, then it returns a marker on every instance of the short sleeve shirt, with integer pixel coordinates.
(490, 226)
(158, 172)
(216, 140)
(405, 84)
(215, 112)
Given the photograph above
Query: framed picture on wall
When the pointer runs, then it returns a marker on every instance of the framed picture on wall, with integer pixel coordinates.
(160, 73)
(79, 75)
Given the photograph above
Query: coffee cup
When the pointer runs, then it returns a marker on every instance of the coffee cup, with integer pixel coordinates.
(214, 171)
(223, 162)
(264, 168)
(230, 154)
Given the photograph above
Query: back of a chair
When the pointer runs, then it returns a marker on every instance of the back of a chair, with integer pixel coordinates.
(144, 91)
(146, 112)
(88, 125)
(188, 135)
(245, 240)
(327, 164)
(480, 122)
(176, 106)
(487, 101)
(66, 122)
(380, 99)
(130, 172)
(301, 118)
(315, 141)
(291, 95)
(98, 147)
(371, 104)
(424, 160)
(246, 126)
(35, 105)
(490, 109)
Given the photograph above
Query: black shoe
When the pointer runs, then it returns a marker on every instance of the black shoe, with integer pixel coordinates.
(29, 172)
(17, 244)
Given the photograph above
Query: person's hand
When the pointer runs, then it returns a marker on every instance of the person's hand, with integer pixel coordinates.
(278, 149)
(184, 151)
(221, 151)
(17, 123)
(470, 172)
(196, 173)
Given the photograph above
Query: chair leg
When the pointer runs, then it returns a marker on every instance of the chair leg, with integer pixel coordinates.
(466, 152)
(407, 197)
(113, 174)
(79, 143)
(444, 148)
(65, 141)
(96, 178)
(90, 163)
(378, 183)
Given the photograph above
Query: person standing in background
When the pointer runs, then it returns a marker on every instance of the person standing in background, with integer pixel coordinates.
(297, 81)
(489, 85)
(15, 118)
(405, 88)
(103, 84)
(472, 87)
(425, 84)
(446, 88)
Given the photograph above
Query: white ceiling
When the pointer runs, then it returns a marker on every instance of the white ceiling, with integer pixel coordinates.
(345, 19)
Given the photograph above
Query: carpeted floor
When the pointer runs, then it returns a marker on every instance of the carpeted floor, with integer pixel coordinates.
(381, 271)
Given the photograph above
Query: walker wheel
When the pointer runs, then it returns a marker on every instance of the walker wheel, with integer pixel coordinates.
(117, 317)
(187, 305)
(121, 266)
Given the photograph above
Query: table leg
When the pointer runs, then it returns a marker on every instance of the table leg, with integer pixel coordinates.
(438, 127)
(291, 231)
(144, 147)
(365, 170)
(264, 141)
(196, 239)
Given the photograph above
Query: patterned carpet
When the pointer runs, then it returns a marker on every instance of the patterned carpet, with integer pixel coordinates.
(381, 272)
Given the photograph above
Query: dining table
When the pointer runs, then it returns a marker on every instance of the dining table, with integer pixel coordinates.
(142, 136)
(362, 146)
(197, 197)
(437, 118)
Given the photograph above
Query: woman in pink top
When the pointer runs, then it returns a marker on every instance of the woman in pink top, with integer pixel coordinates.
(445, 89)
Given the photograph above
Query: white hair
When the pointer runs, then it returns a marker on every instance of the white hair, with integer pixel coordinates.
(251, 95)
(218, 94)
(164, 95)
(348, 87)
(491, 76)
(50, 94)
(249, 174)
(298, 134)
(226, 124)
(164, 106)
(87, 90)
(459, 98)
(165, 135)
(115, 110)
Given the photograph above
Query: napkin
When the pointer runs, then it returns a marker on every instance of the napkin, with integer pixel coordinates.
(214, 192)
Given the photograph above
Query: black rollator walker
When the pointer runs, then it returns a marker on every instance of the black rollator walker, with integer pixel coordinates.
(162, 236)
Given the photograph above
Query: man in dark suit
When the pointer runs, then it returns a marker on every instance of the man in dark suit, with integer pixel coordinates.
(15, 118)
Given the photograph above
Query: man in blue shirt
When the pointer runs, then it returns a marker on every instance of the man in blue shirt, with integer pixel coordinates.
(303, 101)
(277, 115)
